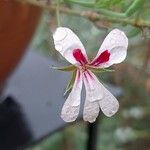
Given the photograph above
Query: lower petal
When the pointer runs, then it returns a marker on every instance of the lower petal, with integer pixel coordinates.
(91, 110)
(93, 87)
(71, 106)
(109, 104)
(93, 94)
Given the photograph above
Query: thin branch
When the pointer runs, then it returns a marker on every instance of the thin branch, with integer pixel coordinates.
(90, 15)
(57, 13)
(136, 4)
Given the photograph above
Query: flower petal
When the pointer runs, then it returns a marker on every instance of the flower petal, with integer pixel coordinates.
(71, 106)
(91, 109)
(93, 87)
(113, 49)
(66, 42)
(109, 104)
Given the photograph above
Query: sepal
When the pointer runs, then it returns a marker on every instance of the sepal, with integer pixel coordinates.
(99, 70)
(66, 68)
(70, 83)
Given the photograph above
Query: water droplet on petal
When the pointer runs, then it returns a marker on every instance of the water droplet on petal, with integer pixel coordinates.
(58, 47)
(60, 34)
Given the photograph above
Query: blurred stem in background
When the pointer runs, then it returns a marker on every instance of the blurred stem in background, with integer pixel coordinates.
(57, 13)
(136, 4)
(94, 16)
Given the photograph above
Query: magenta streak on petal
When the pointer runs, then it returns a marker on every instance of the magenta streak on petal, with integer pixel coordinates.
(86, 76)
(102, 58)
(78, 76)
(91, 77)
(78, 55)
(89, 74)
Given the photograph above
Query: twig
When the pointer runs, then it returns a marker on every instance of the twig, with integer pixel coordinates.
(136, 4)
(90, 15)
(57, 13)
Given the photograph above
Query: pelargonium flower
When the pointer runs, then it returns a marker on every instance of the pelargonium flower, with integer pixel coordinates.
(112, 51)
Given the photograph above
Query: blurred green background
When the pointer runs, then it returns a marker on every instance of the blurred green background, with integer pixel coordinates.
(129, 129)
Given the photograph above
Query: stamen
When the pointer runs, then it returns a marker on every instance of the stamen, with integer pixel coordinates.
(78, 55)
(102, 58)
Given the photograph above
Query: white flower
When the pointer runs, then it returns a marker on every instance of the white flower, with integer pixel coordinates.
(112, 51)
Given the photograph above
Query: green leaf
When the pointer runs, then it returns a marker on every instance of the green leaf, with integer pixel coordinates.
(66, 68)
(70, 83)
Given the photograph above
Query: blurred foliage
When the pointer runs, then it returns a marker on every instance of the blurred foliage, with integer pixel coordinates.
(130, 128)
(108, 3)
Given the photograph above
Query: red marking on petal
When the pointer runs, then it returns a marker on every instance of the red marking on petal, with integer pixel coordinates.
(102, 58)
(78, 55)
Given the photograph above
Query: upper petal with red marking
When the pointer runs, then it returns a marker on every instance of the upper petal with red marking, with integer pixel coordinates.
(66, 42)
(114, 47)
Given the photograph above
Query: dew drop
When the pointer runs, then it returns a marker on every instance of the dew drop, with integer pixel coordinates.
(58, 47)
(60, 34)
